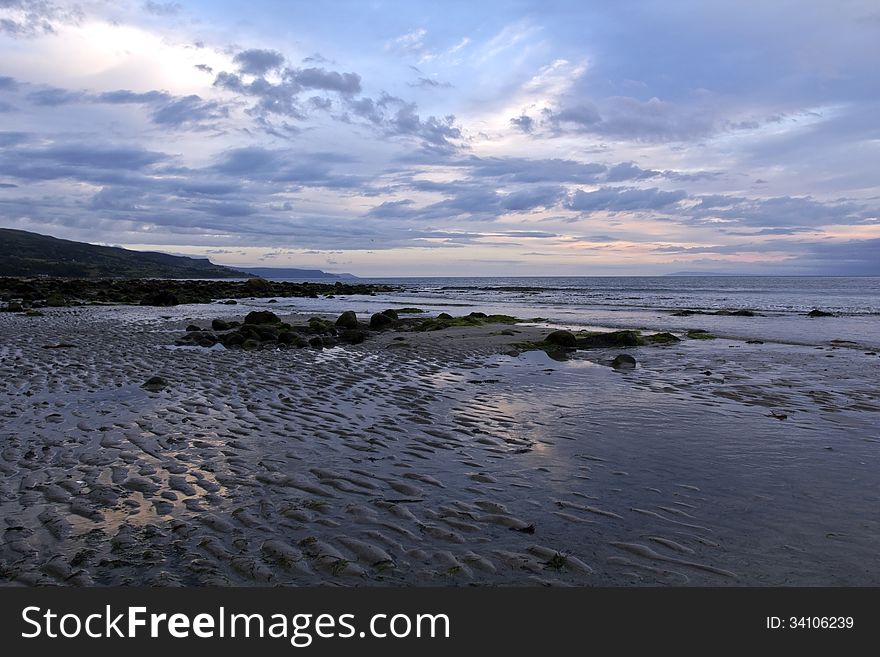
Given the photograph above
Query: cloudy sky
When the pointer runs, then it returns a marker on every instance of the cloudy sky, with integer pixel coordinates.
(454, 138)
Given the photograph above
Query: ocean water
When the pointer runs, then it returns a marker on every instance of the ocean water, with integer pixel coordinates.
(780, 304)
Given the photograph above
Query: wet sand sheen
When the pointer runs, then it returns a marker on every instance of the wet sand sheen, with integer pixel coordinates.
(439, 461)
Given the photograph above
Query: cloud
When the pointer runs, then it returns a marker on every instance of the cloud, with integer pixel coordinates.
(162, 8)
(190, 111)
(7, 83)
(33, 18)
(319, 78)
(622, 199)
(55, 96)
(258, 62)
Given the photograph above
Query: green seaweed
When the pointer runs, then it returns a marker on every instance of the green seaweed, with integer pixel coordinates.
(444, 321)
(700, 335)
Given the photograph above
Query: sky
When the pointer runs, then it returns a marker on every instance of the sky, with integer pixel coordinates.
(542, 138)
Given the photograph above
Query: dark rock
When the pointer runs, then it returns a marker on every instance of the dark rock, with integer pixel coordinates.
(220, 325)
(15, 307)
(347, 320)
(229, 302)
(662, 338)
(316, 341)
(477, 315)
(154, 384)
(623, 362)
(700, 334)
(291, 338)
(163, 298)
(193, 327)
(272, 301)
(444, 316)
(562, 338)
(353, 336)
(612, 339)
(379, 321)
(258, 286)
(233, 340)
(390, 312)
(266, 332)
(754, 342)
(815, 312)
(250, 345)
(261, 317)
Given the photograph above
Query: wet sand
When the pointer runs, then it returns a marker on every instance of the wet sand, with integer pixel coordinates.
(438, 459)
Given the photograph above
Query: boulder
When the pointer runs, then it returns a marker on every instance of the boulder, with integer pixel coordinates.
(316, 341)
(390, 312)
(347, 320)
(379, 321)
(163, 298)
(353, 336)
(193, 327)
(258, 286)
(220, 325)
(815, 312)
(623, 362)
(261, 317)
(564, 339)
(612, 339)
(154, 384)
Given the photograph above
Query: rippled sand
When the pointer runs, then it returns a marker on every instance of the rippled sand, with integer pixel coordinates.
(432, 460)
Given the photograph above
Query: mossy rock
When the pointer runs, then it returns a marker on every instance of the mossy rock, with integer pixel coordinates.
(662, 338)
(55, 300)
(233, 339)
(599, 340)
(193, 327)
(444, 316)
(292, 339)
(353, 336)
(250, 345)
(390, 312)
(258, 286)
(700, 334)
(318, 325)
(554, 351)
(220, 325)
(33, 313)
(409, 311)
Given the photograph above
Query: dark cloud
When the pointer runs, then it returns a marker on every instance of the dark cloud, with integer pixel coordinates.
(7, 83)
(429, 83)
(204, 68)
(189, 111)
(778, 212)
(621, 199)
(162, 8)
(123, 96)
(258, 62)
(524, 123)
(319, 78)
(524, 170)
(55, 96)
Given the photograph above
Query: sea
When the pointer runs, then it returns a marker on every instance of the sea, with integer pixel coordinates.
(779, 304)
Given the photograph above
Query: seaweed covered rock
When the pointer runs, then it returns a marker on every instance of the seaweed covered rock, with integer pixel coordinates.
(390, 312)
(347, 320)
(258, 286)
(352, 336)
(611, 339)
(815, 312)
(562, 338)
(160, 298)
(220, 325)
(261, 317)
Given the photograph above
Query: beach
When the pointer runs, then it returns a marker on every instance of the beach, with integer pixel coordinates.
(454, 457)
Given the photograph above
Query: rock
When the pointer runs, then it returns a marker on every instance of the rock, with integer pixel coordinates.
(258, 286)
(444, 316)
(15, 307)
(562, 338)
(390, 312)
(612, 339)
(662, 338)
(220, 325)
(154, 384)
(233, 340)
(700, 334)
(261, 317)
(163, 298)
(193, 327)
(353, 336)
(250, 345)
(478, 315)
(815, 312)
(316, 341)
(33, 313)
(754, 342)
(347, 320)
(379, 321)
(272, 301)
(291, 338)
(623, 362)
(229, 302)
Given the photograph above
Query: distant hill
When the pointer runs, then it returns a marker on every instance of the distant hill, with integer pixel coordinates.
(30, 254)
(288, 272)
